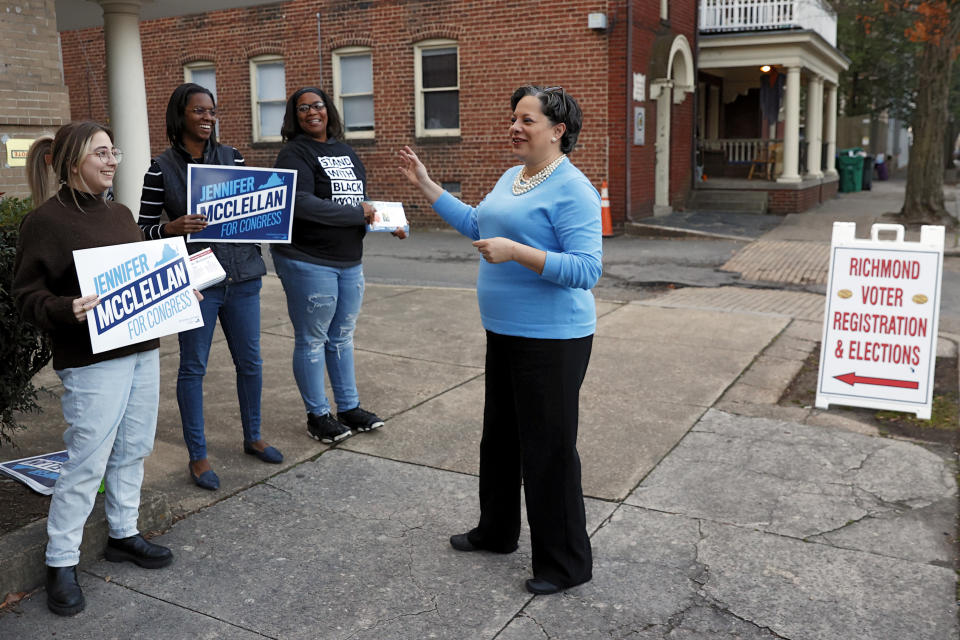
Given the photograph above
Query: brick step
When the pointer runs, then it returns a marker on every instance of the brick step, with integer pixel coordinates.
(728, 200)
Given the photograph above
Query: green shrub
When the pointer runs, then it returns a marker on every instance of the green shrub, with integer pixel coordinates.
(24, 349)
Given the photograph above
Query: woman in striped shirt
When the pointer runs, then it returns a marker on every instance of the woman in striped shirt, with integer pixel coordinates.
(191, 130)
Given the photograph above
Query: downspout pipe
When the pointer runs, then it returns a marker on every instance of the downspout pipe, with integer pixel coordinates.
(628, 120)
(319, 53)
(696, 101)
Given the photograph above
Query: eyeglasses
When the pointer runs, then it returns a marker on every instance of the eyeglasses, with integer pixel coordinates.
(561, 107)
(104, 154)
(200, 111)
(307, 108)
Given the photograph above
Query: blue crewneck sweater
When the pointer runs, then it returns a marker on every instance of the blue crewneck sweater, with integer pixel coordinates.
(560, 216)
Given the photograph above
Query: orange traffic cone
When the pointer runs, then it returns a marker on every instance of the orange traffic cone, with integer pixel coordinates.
(606, 224)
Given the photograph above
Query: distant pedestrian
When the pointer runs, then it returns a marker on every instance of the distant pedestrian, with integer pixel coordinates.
(110, 398)
(191, 130)
(539, 234)
(321, 268)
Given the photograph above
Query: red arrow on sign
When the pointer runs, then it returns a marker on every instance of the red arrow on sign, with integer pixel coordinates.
(852, 379)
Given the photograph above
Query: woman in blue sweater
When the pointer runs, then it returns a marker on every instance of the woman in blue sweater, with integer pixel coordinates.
(539, 234)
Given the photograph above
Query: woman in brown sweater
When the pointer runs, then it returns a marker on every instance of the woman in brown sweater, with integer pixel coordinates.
(109, 399)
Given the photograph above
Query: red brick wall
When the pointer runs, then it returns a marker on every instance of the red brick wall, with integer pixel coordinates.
(33, 96)
(828, 190)
(502, 45)
(647, 27)
(796, 200)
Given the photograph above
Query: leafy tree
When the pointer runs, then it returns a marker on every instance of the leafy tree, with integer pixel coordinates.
(937, 27)
(24, 349)
(902, 54)
(880, 78)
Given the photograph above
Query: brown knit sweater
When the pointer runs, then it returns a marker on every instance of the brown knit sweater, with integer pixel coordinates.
(45, 278)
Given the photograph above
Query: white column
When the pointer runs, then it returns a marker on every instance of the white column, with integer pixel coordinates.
(128, 97)
(662, 92)
(814, 126)
(791, 129)
(831, 130)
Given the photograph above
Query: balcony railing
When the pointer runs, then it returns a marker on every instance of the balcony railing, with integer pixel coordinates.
(761, 15)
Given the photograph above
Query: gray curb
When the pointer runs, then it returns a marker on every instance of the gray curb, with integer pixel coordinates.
(24, 560)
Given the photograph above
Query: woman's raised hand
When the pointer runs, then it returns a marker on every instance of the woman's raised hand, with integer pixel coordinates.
(411, 166)
(416, 173)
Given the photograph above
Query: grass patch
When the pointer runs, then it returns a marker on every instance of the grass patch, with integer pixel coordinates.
(942, 427)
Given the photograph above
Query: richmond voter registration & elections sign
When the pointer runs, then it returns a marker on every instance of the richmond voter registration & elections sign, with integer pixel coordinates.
(242, 204)
(880, 324)
(145, 291)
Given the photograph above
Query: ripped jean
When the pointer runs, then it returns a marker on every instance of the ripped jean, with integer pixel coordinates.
(323, 303)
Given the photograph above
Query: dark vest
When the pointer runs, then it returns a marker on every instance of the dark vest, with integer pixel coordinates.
(241, 261)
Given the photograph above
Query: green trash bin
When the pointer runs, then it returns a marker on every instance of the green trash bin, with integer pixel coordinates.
(850, 167)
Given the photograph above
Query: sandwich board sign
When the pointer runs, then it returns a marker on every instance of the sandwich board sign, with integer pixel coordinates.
(242, 204)
(145, 291)
(879, 342)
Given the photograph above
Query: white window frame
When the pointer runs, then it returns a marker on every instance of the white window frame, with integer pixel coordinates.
(422, 131)
(254, 103)
(188, 70)
(337, 55)
(190, 67)
(664, 10)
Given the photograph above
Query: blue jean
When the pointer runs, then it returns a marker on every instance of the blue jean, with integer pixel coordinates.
(238, 307)
(323, 303)
(111, 410)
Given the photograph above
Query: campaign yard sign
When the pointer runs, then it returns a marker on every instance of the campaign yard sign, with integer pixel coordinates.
(242, 204)
(880, 320)
(145, 291)
(40, 473)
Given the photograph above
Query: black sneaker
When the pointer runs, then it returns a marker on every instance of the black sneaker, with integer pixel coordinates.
(325, 429)
(360, 419)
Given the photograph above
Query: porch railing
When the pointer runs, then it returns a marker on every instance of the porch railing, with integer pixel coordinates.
(740, 150)
(760, 15)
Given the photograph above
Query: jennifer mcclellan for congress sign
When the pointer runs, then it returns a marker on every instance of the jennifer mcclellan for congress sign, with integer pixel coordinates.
(242, 204)
(144, 290)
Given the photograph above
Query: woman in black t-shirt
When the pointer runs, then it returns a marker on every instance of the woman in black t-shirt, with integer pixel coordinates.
(321, 268)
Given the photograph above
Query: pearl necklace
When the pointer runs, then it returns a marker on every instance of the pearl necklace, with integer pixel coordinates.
(521, 185)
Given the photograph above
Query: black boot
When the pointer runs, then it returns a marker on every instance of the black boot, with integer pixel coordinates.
(64, 596)
(138, 551)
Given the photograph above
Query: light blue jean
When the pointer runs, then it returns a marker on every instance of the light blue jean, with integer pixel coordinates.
(238, 308)
(323, 303)
(111, 410)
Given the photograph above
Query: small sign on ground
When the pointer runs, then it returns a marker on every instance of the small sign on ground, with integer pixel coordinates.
(880, 320)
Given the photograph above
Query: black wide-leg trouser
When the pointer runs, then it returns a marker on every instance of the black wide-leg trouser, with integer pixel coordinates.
(530, 424)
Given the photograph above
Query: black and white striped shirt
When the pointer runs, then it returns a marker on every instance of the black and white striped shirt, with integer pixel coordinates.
(152, 199)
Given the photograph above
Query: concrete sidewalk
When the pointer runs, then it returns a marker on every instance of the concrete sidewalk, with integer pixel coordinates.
(713, 512)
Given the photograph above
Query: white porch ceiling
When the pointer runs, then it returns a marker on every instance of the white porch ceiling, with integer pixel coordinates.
(84, 14)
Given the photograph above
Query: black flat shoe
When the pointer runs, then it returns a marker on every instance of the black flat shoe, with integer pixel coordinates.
(461, 542)
(542, 587)
(207, 480)
(64, 596)
(269, 455)
(138, 551)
